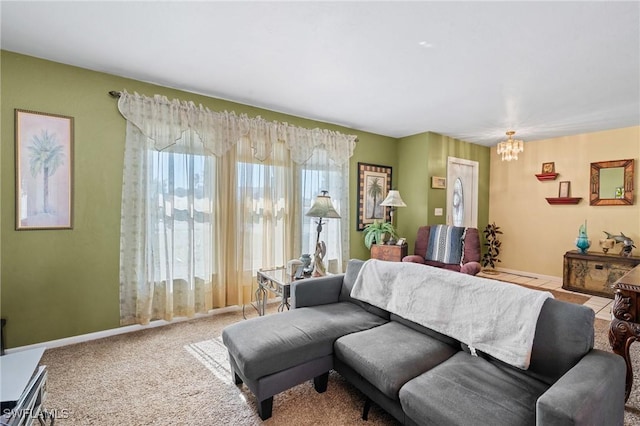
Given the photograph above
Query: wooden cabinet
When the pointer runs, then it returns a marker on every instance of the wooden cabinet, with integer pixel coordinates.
(595, 273)
(391, 253)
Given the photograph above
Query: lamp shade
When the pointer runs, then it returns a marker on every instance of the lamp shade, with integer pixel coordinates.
(393, 200)
(323, 207)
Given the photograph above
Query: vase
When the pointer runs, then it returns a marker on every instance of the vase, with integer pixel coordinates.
(583, 243)
(306, 263)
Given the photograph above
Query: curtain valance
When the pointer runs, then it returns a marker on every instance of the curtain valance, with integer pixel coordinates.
(164, 121)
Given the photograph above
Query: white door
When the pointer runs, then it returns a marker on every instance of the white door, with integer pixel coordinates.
(462, 192)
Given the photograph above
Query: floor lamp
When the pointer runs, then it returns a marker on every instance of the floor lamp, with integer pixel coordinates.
(322, 208)
(393, 201)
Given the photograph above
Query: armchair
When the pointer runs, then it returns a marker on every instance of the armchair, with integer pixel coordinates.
(469, 262)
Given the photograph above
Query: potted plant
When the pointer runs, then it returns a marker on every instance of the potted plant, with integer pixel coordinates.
(374, 232)
(490, 258)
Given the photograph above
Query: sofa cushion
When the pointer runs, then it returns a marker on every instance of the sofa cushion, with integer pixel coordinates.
(424, 330)
(471, 390)
(390, 355)
(564, 334)
(353, 268)
(446, 244)
(275, 342)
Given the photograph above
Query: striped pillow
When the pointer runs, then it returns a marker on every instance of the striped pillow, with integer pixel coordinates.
(446, 244)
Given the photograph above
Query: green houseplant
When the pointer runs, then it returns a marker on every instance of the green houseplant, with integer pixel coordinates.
(374, 232)
(492, 243)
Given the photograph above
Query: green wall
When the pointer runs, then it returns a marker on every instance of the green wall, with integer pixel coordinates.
(377, 151)
(425, 155)
(414, 183)
(62, 283)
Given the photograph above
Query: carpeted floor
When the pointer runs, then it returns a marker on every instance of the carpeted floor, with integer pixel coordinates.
(178, 375)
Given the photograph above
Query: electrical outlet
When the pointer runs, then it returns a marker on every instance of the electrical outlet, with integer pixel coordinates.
(438, 211)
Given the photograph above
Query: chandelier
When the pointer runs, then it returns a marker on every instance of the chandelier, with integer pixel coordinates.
(510, 148)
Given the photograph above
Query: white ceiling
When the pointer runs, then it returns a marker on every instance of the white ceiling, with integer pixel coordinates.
(469, 70)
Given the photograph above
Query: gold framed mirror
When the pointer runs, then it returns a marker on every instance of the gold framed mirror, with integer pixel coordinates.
(611, 183)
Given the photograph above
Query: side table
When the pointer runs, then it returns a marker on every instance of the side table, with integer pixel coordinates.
(625, 318)
(392, 253)
(275, 281)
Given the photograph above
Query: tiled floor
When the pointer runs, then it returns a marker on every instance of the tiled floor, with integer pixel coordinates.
(600, 305)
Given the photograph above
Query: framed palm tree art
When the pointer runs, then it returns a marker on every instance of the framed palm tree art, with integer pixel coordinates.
(374, 183)
(44, 170)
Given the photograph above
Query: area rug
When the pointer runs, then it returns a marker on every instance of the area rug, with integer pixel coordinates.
(213, 355)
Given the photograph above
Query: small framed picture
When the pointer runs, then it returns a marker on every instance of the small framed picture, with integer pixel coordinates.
(565, 189)
(438, 182)
(548, 167)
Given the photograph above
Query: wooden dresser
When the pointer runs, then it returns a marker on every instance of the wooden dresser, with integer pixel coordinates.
(595, 273)
(625, 320)
(390, 253)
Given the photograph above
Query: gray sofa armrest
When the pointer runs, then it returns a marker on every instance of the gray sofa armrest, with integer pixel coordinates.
(316, 291)
(591, 393)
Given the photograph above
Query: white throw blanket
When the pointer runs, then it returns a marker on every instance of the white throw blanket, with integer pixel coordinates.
(496, 318)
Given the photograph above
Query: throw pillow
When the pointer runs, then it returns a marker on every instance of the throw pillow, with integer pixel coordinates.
(446, 244)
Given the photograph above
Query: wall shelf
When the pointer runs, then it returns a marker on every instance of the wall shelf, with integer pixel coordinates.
(547, 176)
(564, 200)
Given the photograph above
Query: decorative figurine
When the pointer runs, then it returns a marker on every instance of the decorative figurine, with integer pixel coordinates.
(319, 269)
(627, 243)
(607, 244)
(583, 242)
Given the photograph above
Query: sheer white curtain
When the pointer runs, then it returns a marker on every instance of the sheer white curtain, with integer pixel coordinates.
(166, 229)
(210, 197)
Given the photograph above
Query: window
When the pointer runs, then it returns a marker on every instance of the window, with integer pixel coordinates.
(183, 232)
(261, 211)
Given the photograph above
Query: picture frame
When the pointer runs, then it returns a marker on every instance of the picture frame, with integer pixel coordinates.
(374, 183)
(564, 189)
(549, 167)
(44, 170)
(438, 182)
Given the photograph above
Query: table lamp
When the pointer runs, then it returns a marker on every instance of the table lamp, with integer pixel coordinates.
(393, 201)
(322, 208)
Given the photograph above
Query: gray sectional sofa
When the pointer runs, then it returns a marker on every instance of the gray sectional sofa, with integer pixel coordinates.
(421, 376)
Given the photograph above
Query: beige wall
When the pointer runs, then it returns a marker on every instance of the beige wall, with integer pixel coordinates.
(536, 234)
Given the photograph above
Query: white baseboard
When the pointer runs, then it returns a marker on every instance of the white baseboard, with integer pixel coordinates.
(125, 329)
(529, 274)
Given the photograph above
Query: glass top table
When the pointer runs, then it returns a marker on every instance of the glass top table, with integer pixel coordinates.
(275, 281)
